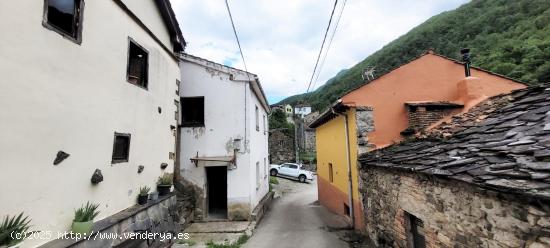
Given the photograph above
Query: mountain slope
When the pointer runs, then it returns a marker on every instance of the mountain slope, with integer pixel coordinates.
(511, 38)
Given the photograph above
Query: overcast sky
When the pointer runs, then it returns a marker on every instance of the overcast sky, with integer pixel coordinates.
(281, 39)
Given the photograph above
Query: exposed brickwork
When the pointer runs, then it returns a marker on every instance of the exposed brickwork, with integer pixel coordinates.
(455, 214)
(421, 117)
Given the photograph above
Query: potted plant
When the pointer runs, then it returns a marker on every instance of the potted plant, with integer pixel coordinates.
(164, 184)
(143, 195)
(84, 217)
(14, 225)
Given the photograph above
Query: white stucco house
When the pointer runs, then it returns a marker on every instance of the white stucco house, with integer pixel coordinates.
(86, 86)
(224, 138)
(302, 110)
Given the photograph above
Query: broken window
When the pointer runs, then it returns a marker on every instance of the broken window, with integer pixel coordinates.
(65, 17)
(121, 148)
(415, 231)
(192, 111)
(257, 119)
(137, 65)
(330, 175)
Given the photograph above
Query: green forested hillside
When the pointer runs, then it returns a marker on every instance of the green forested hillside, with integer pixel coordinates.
(508, 37)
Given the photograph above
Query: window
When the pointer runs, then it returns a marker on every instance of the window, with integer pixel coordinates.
(257, 175)
(257, 119)
(121, 148)
(192, 111)
(265, 168)
(64, 17)
(330, 173)
(293, 166)
(415, 231)
(137, 65)
(265, 126)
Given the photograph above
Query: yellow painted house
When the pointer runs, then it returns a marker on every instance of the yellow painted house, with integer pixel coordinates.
(335, 166)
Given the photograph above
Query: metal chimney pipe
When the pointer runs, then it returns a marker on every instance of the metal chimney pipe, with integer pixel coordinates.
(466, 60)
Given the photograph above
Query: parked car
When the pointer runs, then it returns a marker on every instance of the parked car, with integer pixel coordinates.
(291, 170)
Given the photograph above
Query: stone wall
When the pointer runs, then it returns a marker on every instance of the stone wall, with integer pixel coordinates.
(160, 217)
(364, 120)
(281, 148)
(309, 139)
(454, 214)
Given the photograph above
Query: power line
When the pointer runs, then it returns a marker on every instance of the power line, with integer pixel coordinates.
(329, 44)
(236, 37)
(322, 45)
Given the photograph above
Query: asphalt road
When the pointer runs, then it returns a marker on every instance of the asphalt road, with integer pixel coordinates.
(295, 220)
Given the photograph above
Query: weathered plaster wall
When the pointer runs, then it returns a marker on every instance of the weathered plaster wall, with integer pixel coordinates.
(59, 95)
(429, 78)
(454, 214)
(224, 118)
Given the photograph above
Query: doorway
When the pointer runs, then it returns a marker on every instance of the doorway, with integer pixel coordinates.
(216, 183)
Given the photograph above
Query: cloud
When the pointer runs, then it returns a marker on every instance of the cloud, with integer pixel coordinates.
(281, 39)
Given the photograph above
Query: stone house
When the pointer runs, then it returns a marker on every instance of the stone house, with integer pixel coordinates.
(281, 147)
(223, 145)
(411, 98)
(479, 180)
(87, 89)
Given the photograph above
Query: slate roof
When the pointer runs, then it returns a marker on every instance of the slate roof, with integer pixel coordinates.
(508, 150)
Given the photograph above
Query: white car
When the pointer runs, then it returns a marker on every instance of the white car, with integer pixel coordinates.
(291, 170)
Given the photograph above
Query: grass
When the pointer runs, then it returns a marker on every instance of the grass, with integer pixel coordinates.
(273, 180)
(242, 239)
(187, 242)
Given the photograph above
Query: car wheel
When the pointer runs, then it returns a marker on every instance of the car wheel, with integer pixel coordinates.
(302, 178)
(273, 172)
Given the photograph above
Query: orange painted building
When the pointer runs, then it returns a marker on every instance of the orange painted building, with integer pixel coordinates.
(413, 97)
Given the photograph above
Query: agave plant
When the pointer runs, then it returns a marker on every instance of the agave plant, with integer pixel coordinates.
(86, 213)
(14, 224)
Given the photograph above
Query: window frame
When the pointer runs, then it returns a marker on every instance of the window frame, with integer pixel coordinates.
(130, 41)
(415, 239)
(330, 173)
(258, 175)
(182, 110)
(117, 160)
(257, 114)
(77, 39)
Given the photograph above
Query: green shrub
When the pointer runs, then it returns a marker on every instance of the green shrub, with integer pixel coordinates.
(273, 180)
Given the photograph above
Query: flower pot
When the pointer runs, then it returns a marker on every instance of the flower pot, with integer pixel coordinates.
(82, 227)
(163, 189)
(142, 199)
(154, 196)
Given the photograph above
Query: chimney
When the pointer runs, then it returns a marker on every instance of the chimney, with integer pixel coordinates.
(466, 60)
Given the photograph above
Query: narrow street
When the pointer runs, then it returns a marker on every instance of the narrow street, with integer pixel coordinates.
(297, 220)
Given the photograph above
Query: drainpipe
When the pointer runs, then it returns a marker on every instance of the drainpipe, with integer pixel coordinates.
(350, 188)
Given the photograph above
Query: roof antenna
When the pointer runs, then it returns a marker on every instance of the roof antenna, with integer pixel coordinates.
(368, 73)
(466, 60)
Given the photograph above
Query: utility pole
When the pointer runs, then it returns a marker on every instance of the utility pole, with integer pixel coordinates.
(296, 139)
